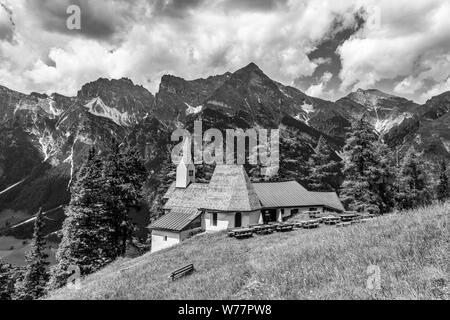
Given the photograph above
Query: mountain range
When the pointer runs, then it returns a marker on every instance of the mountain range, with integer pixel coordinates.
(44, 138)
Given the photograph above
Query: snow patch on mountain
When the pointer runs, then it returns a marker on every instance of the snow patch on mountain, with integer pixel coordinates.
(383, 126)
(446, 144)
(98, 108)
(219, 104)
(193, 110)
(284, 92)
(47, 145)
(47, 105)
(308, 108)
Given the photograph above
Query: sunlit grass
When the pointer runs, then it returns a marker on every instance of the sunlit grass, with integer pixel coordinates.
(411, 249)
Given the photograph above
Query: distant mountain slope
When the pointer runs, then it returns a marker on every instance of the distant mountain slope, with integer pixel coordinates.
(428, 129)
(382, 110)
(44, 138)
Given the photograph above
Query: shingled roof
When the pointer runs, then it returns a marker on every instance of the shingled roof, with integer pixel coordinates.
(292, 194)
(176, 220)
(193, 196)
(230, 190)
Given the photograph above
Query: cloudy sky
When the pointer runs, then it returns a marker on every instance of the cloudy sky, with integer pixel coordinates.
(325, 48)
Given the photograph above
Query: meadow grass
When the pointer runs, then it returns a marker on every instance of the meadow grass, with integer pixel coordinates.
(411, 250)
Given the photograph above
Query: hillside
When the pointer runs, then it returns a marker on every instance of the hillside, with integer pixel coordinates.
(411, 249)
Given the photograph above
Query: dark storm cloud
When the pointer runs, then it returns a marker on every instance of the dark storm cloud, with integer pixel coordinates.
(326, 56)
(100, 19)
(6, 27)
(261, 5)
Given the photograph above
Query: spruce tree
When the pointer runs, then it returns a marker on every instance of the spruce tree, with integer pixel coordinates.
(412, 182)
(33, 285)
(324, 170)
(365, 170)
(86, 230)
(443, 189)
(123, 177)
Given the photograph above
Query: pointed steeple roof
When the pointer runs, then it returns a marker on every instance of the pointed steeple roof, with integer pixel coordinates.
(230, 190)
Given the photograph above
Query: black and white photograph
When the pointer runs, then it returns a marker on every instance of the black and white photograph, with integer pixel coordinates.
(227, 156)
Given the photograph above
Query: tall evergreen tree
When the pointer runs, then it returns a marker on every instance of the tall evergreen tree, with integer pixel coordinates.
(365, 170)
(443, 189)
(385, 173)
(33, 285)
(86, 230)
(324, 170)
(412, 182)
(123, 177)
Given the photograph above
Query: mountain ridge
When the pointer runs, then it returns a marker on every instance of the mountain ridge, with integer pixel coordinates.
(44, 138)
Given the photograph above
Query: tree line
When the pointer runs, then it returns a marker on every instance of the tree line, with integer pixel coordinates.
(376, 179)
(96, 230)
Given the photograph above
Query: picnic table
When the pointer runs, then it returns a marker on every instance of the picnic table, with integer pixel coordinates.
(314, 214)
(242, 233)
(285, 227)
(297, 224)
(310, 224)
(331, 220)
(262, 229)
(348, 217)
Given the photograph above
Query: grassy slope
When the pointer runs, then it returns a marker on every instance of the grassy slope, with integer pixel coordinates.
(412, 250)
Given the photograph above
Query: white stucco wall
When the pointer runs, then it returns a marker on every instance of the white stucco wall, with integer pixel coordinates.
(226, 220)
(158, 242)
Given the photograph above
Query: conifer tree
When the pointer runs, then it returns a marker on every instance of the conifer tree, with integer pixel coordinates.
(33, 285)
(443, 189)
(123, 177)
(412, 181)
(7, 280)
(365, 170)
(86, 230)
(324, 170)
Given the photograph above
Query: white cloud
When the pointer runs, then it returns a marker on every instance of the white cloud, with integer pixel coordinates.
(317, 90)
(198, 38)
(412, 42)
(207, 39)
(436, 90)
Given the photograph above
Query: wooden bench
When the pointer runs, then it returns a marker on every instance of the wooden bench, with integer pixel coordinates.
(182, 272)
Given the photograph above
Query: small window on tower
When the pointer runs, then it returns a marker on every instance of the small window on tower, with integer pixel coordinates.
(191, 173)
